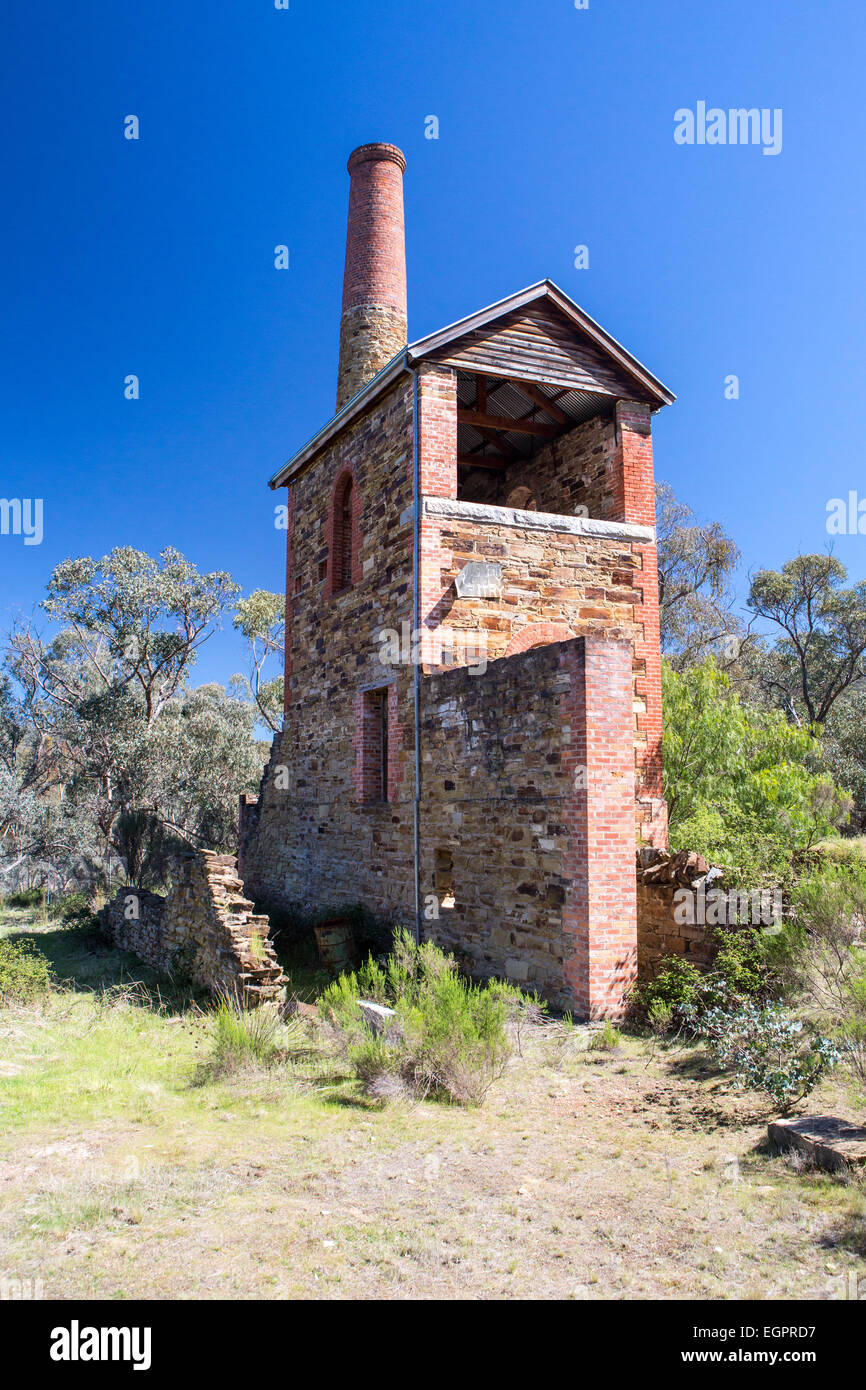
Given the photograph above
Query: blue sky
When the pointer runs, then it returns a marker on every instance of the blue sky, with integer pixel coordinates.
(155, 256)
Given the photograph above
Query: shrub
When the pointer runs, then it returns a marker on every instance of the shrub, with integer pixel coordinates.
(677, 983)
(768, 1050)
(448, 1036)
(74, 909)
(822, 958)
(24, 972)
(743, 785)
(605, 1039)
(680, 992)
(243, 1038)
(25, 897)
(743, 967)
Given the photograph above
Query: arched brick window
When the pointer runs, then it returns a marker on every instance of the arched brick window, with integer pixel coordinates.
(343, 538)
(538, 635)
(344, 549)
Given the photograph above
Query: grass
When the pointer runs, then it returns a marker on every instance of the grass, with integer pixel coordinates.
(629, 1173)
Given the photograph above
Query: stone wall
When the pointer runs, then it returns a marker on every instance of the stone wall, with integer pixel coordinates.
(205, 931)
(682, 901)
(309, 842)
(578, 576)
(526, 819)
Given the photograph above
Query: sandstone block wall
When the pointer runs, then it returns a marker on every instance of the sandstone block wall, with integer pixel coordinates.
(526, 818)
(682, 902)
(206, 931)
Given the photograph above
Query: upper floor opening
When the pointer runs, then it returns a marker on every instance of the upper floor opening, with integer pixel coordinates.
(532, 446)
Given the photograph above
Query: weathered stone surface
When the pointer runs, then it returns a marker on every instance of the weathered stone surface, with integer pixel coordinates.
(199, 932)
(377, 1015)
(830, 1142)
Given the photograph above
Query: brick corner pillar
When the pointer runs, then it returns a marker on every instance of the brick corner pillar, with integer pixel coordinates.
(373, 327)
(634, 499)
(437, 477)
(599, 918)
(289, 598)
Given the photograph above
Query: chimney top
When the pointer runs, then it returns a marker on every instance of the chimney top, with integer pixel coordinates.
(366, 153)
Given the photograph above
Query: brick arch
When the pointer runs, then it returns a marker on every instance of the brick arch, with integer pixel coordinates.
(337, 540)
(538, 635)
(523, 498)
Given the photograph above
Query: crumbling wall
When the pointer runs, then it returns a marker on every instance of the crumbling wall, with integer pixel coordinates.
(205, 931)
(682, 902)
(136, 922)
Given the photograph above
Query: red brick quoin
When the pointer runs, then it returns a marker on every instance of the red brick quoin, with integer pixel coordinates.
(599, 921)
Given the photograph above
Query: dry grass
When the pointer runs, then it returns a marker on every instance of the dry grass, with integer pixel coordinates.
(587, 1174)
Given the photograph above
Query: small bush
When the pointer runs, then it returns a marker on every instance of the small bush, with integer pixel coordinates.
(821, 958)
(676, 984)
(25, 897)
(768, 1050)
(24, 972)
(243, 1038)
(605, 1039)
(448, 1037)
(74, 909)
(743, 969)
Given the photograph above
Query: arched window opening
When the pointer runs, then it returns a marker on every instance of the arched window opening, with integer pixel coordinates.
(523, 498)
(343, 565)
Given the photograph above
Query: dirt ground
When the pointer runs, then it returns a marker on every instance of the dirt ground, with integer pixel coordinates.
(637, 1173)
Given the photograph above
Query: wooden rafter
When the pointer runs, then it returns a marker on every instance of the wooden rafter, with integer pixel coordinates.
(493, 461)
(539, 398)
(481, 420)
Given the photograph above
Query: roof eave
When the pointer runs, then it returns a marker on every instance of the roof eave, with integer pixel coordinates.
(418, 351)
(338, 422)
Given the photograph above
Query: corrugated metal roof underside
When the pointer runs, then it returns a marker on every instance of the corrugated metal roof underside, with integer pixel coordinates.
(504, 398)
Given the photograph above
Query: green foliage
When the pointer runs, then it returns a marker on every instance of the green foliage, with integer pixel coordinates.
(823, 632)
(24, 972)
(73, 908)
(742, 971)
(104, 712)
(261, 619)
(768, 1050)
(605, 1039)
(743, 962)
(741, 782)
(845, 747)
(448, 1038)
(243, 1038)
(659, 1001)
(25, 897)
(821, 957)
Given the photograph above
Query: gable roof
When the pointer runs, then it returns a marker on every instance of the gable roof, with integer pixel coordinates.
(544, 302)
(537, 334)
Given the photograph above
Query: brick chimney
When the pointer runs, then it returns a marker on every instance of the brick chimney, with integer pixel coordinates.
(373, 326)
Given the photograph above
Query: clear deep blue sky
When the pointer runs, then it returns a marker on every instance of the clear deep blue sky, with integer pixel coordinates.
(556, 128)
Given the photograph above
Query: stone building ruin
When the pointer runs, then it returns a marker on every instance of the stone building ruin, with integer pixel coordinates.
(472, 730)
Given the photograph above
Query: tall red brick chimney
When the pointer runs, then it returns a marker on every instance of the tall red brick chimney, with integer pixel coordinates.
(374, 324)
